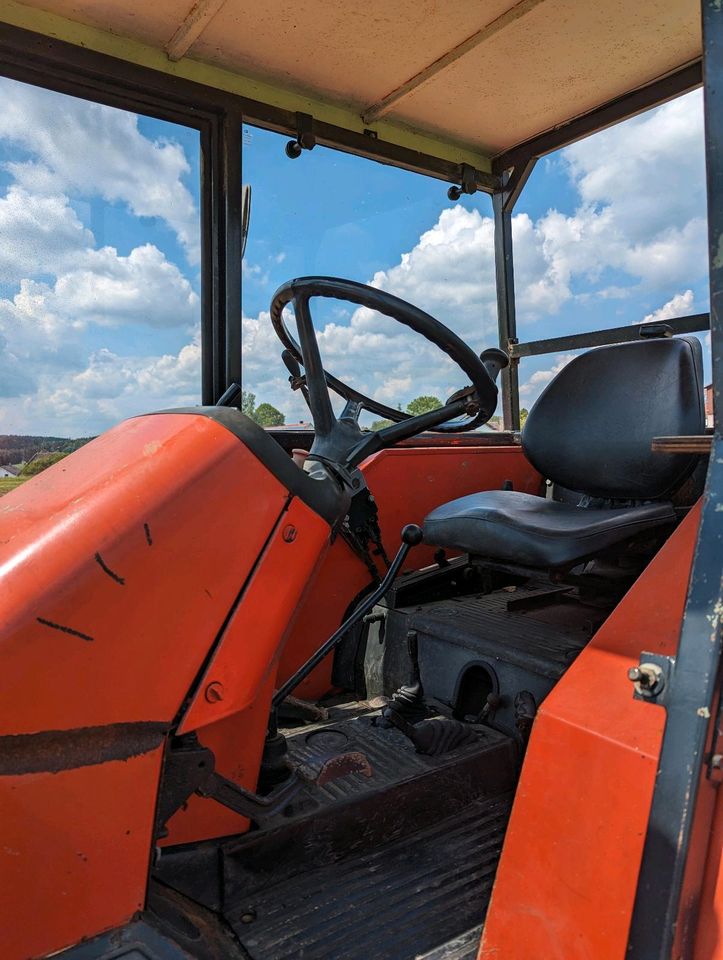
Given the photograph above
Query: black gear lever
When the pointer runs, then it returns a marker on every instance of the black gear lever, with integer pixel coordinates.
(411, 537)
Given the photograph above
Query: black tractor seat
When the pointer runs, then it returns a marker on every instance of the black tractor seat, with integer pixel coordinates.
(590, 431)
(521, 528)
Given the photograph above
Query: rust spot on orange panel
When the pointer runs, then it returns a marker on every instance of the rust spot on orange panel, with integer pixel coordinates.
(55, 750)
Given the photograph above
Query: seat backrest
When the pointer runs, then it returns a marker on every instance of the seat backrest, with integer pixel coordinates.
(592, 427)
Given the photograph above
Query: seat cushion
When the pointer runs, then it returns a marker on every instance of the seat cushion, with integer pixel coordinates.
(533, 531)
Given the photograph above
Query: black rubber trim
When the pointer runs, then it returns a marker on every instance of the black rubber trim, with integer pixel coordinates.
(323, 496)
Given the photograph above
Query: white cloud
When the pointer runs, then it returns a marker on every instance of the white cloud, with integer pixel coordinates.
(649, 171)
(40, 234)
(15, 377)
(110, 388)
(103, 289)
(88, 148)
(642, 190)
(679, 306)
(53, 375)
(111, 290)
(532, 387)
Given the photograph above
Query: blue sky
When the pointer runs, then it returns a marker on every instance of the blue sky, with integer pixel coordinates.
(99, 269)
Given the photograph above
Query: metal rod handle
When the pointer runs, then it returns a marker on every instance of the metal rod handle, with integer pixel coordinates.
(411, 536)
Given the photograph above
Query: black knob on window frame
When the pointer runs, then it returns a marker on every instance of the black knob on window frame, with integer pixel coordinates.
(494, 360)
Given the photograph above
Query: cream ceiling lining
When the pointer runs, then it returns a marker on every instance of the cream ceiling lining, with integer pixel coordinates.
(477, 75)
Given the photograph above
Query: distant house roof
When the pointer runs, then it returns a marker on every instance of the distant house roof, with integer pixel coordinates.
(293, 426)
(9, 468)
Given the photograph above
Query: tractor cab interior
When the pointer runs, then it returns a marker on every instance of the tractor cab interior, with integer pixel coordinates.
(411, 760)
(419, 692)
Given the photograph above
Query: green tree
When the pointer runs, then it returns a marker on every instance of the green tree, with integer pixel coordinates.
(268, 416)
(423, 404)
(523, 416)
(381, 424)
(248, 403)
(41, 463)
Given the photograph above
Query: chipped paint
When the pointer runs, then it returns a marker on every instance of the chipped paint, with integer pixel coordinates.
(703, 712)
(714, 618)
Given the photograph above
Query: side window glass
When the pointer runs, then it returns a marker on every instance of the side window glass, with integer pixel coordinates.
(99, 269)
(611, 231)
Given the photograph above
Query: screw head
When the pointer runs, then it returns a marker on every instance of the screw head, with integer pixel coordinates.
(214, 692)
(288, 534)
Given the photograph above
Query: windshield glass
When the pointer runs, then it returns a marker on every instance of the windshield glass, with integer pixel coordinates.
(333, 214)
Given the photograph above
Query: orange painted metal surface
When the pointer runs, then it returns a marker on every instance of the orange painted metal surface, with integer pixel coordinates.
(85, 591)
(118, 568)
(237, 742)
(249, 650)
(566, 882)
(407, 482)
(75, 852)
(242, 673)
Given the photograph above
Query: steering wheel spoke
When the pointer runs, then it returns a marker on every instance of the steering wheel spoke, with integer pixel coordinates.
(319, 399)
(352, 411)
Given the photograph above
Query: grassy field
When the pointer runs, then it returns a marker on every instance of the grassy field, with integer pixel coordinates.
(9, 483)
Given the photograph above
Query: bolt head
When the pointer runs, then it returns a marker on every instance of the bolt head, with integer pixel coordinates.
(648, 679)
(214, 692)
(288, 534)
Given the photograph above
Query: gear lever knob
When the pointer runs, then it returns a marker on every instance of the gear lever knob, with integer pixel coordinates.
(412, 534)
(494, 360)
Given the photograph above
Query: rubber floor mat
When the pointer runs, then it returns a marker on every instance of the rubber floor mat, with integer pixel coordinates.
(398, 902)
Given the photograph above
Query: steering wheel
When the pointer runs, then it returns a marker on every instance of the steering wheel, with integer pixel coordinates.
(341, 440)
